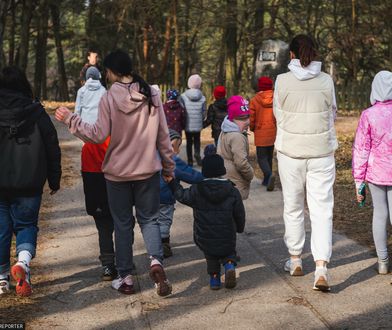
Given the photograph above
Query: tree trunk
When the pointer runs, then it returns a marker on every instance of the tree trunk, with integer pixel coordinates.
(258, 27)
(40, 53)
(231, 46)
(3, 15)
(176, 47)
(27, 13)
(55, 12)
(167, 45)
(11, 40)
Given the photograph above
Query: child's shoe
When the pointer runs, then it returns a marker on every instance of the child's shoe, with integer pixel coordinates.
(383, 266)
(21, 274)
(4, 285)
(230, 277)
(109, 273)
(321, 279)
(215, 281)
(271, 183)
(167, 251)
(123, 285)
(294, 266)
(158, 275)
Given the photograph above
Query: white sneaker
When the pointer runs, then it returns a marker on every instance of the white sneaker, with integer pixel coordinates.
(123, 285)
(4, 285)
(383, 267)
(294, 266)
(321, 279)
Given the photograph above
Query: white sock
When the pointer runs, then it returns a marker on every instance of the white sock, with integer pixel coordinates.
(155, 262)
(25, 257)
(4, 275)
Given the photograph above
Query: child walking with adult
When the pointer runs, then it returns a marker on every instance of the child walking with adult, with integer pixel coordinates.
(131, 114)
(174, 112)
(263, 124)
(30, 156)
(217, 112)
(305, 108)
(233, 144)
(183, 172)
(372, 161)
(219, 214)
(94, 184)
(194, 103)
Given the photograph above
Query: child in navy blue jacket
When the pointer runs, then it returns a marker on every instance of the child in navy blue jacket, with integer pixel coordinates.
(183, 172)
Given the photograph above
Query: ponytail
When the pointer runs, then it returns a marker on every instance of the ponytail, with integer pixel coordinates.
(304, 49)
(144, 88)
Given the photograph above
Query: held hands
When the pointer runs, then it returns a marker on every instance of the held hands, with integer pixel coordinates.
(62, 113)
(167, 178)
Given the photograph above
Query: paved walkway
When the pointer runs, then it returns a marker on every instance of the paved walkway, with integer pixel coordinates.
(73, 297)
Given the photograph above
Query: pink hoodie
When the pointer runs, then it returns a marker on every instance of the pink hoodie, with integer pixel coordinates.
(139, 145)
(372, 150)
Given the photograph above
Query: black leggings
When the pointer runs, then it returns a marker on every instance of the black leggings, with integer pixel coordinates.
(97, 206)
(192, 138)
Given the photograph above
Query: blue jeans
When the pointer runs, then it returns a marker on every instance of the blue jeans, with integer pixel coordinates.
(166, 212)
(18, 215)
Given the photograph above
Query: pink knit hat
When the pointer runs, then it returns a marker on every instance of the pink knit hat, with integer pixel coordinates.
(194, 81)
(237, 106)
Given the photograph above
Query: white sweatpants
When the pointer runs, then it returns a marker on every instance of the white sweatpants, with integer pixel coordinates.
(318, 176)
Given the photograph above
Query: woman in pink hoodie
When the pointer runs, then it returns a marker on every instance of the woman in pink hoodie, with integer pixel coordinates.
(131, 114)
(372, 161)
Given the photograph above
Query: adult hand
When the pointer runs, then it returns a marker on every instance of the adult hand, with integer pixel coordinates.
(62, 114)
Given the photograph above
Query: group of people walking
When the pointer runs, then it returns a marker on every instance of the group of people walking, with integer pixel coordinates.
(131, 167)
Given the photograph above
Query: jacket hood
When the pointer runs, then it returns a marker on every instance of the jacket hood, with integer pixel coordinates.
(301, 73)
(229, 126)
(173, 105)
(93, 85)
(126, 96)
(265, 98)
(221, 104)
(381, 87)
(15, 106)
(194, 94)
(215, 190)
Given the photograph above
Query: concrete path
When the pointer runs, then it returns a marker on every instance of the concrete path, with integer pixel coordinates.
(73, 297)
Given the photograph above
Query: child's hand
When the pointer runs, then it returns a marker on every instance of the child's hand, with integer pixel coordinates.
(62, 114)
(167, 178)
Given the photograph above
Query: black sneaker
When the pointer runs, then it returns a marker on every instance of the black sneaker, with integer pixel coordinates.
(109, 273)
(167, 251)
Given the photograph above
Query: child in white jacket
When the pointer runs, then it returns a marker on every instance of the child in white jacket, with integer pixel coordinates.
(89, 95)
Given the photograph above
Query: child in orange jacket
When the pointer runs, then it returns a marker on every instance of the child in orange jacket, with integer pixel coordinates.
(263, 124)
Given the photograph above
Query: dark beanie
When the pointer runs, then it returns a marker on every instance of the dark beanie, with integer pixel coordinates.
(213, 166)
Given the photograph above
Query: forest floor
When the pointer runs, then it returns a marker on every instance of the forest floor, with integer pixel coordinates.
(68, 292)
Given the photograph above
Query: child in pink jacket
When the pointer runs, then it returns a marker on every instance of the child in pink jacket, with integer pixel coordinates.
(372, 160)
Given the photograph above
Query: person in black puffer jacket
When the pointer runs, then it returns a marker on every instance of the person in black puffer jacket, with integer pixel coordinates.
(218, 214)
(217, 112)
(30, 155)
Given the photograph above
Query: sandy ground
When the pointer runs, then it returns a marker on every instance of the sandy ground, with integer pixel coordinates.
(68, 293)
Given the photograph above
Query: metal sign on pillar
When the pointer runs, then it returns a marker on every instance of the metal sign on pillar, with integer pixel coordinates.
(272, 59)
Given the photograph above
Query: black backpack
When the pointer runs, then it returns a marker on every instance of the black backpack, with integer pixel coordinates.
(23, 166)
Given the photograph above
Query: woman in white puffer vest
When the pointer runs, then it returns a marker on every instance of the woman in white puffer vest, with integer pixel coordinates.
(305, 109)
